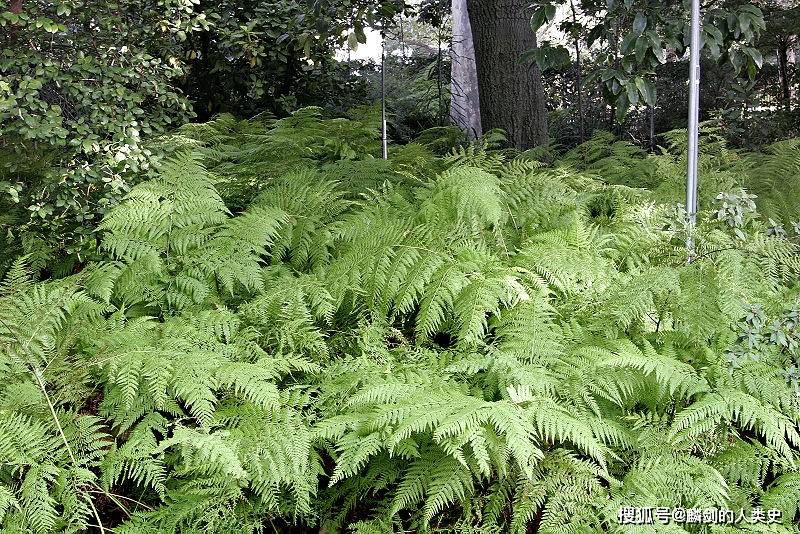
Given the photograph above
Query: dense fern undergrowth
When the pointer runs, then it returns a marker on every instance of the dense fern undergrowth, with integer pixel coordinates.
(281, 334)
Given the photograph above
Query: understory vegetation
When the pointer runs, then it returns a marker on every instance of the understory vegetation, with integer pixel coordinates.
(279, 332)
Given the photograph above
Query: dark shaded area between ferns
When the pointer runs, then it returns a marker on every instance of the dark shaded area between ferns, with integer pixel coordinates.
(274, 340)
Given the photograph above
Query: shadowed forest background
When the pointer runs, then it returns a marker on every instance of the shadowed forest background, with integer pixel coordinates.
(88, 87)
(222, 310)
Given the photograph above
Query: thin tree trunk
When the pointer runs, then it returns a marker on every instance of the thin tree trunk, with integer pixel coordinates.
(614, 43)
(402, 39)
(464, 99)
(578, 72)
(511, 92)
(439, 88)
(384, 131)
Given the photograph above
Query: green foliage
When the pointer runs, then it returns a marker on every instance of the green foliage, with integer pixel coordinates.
(283, 331)
(85, 85)
(82, 85)
(636, 38)
(768, 177)
(774, 179)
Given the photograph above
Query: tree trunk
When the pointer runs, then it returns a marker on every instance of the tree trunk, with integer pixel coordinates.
(614, 44)
(511, 92)
(439, 83)
(464, 99)
(578, 72)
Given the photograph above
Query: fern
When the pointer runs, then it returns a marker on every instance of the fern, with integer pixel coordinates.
(281, 331)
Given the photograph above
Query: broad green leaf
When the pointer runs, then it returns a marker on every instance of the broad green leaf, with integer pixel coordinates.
(660, 53)
(755, 55)
(352, 41)
(640, 23)
(646, 89)
(633, 93)
(627, 43)
(641, 49)
(623, 105)
(538, 19)
(360, 35)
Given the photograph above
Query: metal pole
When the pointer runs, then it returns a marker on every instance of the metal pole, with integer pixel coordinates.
(694, 117)
(384, 136)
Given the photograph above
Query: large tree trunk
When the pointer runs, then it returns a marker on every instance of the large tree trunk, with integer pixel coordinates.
(511, 92)
(464, 101)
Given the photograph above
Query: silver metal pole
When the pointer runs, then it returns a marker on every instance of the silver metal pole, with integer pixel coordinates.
(384, 136)
(694, 118)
